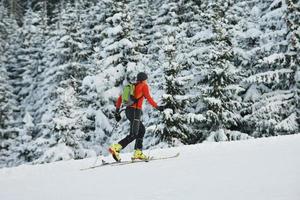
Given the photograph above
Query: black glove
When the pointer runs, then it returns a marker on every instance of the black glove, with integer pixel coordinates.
(161, 108)
(117, 115)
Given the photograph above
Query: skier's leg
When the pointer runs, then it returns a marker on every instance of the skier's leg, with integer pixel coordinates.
(140, 137)
(133, 116)
(138, 153)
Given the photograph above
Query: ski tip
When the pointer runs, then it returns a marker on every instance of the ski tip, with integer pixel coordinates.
(103, 162)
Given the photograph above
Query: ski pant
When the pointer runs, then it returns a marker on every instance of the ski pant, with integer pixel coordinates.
(137, 129)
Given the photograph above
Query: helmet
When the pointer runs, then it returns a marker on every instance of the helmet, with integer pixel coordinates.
(141, 76)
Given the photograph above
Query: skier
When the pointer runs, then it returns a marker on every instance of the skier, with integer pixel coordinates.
(133, 113)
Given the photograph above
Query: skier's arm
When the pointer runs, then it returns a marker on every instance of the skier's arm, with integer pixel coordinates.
(119, 102)
(147, 95)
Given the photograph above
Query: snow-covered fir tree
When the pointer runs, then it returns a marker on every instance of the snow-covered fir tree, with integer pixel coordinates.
(221, 96)
(70, 59)
(166, 52)
(30, 55)
(9, 106)
(173, 99)
(290, 124)
(270, 81)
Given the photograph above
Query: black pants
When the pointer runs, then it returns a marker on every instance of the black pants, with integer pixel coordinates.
(137, 129)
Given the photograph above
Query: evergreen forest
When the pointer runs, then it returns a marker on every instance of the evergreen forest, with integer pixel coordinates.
(224, 69)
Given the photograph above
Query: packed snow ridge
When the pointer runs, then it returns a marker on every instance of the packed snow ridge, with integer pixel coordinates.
(260, 169)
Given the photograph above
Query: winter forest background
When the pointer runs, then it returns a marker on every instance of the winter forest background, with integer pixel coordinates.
(225, 69)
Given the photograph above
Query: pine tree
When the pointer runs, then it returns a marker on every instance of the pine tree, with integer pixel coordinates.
(8, 103)
(69, 63)
(268, 95)
(173, 99)
(170, 49)
(5, 104)
(163, 53)
(26, 73)
(220, 97)
(290, 121)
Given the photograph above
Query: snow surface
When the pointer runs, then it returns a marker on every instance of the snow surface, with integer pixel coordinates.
(261, 169)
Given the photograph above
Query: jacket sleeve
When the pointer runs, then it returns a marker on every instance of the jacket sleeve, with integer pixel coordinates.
(147, 95)
(119, 102)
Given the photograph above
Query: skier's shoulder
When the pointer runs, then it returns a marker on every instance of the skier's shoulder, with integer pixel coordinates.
(143, 85)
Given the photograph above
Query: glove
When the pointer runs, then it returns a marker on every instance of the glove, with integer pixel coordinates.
(117, 115)
(161, 108)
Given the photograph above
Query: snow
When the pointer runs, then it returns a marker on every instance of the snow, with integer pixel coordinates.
(191, 117)
(203, 35)
(272, 58)
(269, 77)
(214, 101)
(218, 135)
(252, 93)
(253, 33)
(114, 31)
(101, 121)
(297, 76)
(289, 124)
(28, 120)
(260, 169)
(58, 152)
(255, 11)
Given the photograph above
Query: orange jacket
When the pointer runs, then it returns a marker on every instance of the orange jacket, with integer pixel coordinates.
(141, 92)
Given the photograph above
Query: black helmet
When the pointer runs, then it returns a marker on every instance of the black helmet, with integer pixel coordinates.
(141, 76)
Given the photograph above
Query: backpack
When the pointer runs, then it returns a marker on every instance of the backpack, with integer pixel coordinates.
(128, 98)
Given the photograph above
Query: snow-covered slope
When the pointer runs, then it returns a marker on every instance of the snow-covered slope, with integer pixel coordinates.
(262, 169)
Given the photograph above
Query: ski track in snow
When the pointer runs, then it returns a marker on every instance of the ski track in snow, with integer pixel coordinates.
(261, 169)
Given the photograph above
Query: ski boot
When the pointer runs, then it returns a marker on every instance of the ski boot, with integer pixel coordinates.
(115, 151)
(139, 155)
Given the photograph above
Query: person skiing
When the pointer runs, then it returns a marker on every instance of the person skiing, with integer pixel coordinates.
(133, 113)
